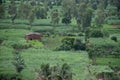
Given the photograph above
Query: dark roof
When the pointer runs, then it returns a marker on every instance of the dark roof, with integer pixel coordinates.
(33, 33)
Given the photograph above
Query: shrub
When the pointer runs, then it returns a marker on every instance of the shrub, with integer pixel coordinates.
(80, 34)
(66, 20)
(105, 47)
(9, 77)
(96, 33)
(72, 43)
(78, 45)
(36, 44)
(105, 33)
(99, 33)
(114, 38)
(67, 44)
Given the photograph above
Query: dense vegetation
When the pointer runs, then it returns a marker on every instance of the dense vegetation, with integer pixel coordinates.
(80, 40)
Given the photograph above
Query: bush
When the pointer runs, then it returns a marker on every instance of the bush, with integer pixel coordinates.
(105, 33)
(96, 33)
(36, 44)
(72, 43)
(78, 45)
(67, 44)
(66, 20)
(99, 33)
(114, 38)
(104, 47)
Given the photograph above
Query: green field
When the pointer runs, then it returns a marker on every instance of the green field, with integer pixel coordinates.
(84, 35)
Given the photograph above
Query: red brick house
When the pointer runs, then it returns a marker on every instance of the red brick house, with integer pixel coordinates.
(33, 36)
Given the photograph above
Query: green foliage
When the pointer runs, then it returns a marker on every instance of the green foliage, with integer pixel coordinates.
(113, 22)
(84, 17)
(2, 11)
(113, 62)
(55, 72)
(55, 17)
(13, 34)
(79, 45)
(67, 44)
(42, 28)
(31, 16)
(68, 11)
(41, 12)
(104, 47)
(35, 57)
(18, 62)
(96, 33)
(99, 33)
(15, 26)
(66, 20)
(21, 44)
(112, 10)
(6, 68)
(99, 18)
(114, 38)
(24, 10)
(36, 44)
(12, 10)
(71, 44)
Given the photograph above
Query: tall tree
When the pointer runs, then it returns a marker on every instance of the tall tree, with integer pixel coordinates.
(68, 7)
(24, 9)
(100, 15)
(31, 17)
(2, 10)
(84, 16)
(12, 10)
(55, 17)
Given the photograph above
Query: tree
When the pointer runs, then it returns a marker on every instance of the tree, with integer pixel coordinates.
(1, 2)
(55, 17)
(41, 12)
(81, 16)
(24, 9)
(92, 53)
(99, 18)
(12, 11)
(68, 11)
(31, 17)
(2, 10)
(84, 19)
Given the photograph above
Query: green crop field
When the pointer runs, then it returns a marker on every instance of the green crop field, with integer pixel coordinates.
(85, 34)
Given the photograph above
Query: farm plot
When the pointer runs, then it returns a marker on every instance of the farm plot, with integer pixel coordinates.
(35, 57)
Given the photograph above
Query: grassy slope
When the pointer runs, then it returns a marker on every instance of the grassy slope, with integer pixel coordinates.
(105, 61)
(35, 57)
(6, 56)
